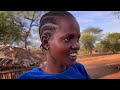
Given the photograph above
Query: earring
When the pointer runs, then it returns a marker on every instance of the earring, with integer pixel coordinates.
(47, 48)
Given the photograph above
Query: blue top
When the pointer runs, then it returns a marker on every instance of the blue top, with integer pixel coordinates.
(76, 71)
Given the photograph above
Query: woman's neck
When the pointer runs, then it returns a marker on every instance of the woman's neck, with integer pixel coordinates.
(52, 67)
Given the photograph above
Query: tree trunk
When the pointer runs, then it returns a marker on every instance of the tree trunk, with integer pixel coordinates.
(90, 51)
(25, 40)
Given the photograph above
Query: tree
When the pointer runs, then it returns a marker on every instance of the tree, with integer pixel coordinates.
(102, 46)
(87, 41)
(9, 32)
(89, 37)
(27, 21)
(114, 42)
(110, 43)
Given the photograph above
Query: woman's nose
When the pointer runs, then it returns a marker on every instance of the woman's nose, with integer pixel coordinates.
(76, 45)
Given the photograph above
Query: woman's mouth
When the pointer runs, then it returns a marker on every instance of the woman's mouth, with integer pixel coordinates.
(73, 56)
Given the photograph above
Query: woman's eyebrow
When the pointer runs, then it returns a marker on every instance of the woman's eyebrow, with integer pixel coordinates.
(72, 35)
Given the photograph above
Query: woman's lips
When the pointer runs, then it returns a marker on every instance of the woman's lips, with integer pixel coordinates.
(73, 56)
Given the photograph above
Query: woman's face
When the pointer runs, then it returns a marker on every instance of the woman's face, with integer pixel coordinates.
(64, 43)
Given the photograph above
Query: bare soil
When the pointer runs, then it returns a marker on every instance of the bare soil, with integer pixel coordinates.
(102, 66)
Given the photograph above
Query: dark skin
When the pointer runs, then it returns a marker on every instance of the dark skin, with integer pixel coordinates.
(63, 42)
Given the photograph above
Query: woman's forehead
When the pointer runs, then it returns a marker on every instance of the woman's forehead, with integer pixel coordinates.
(67, 22)
(66, 33)
(67, 26)
(68, 29)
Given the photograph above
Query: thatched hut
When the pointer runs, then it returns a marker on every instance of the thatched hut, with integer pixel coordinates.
(39, 53)
(15, 61)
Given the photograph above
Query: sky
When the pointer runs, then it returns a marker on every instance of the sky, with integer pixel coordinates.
(104, 20)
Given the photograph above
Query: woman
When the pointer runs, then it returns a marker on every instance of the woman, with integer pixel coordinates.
(59, 33)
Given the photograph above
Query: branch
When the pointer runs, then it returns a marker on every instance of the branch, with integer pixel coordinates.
(31, 24)
(35, 25)
(28, 18)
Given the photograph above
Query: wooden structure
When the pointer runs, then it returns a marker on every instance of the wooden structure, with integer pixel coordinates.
(13, 71)
(15, 61)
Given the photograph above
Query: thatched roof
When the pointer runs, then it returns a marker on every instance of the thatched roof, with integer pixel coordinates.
(35, 51)
(17, 56)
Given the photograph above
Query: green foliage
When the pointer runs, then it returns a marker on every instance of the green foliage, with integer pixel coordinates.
(110, 43)
(9, 32)
(103, 46)
(27, 21)
(83, 51)
(88, 38)
(92, 30)
(114, 42)
(88, 41)
(16, 26)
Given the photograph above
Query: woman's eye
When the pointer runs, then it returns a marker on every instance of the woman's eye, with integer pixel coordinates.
(67, 39)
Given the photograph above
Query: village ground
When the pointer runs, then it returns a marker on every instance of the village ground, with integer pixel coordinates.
(98, 66)
(102, 66)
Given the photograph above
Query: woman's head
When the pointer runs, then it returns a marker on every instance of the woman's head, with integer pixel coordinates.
(59, 34)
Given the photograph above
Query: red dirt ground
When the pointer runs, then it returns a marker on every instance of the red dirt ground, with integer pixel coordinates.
(102, 66)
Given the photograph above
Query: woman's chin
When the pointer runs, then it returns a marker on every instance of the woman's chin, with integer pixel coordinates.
(71, 63)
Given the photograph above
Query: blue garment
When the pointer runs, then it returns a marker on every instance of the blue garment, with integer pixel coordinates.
(76, 71)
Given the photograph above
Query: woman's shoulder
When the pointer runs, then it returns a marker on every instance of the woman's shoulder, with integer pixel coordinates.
(79, 67)
(28, 74)
(77, 64)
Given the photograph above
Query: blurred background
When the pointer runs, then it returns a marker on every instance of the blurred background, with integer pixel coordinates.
(100, 42)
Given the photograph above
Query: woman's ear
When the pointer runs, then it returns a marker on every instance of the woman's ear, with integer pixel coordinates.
(45, 40)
